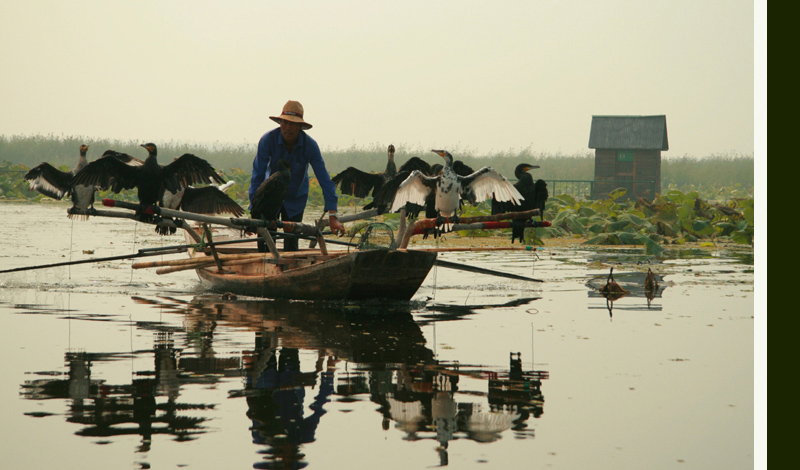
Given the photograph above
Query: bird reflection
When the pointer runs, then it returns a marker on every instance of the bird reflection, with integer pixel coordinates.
(627, 285)
(106, 410)
(364, 352)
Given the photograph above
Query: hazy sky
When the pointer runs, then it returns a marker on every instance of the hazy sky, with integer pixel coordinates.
(475, 76)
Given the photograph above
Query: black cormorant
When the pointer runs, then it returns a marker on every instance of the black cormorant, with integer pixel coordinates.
(268, 198)
(528, 189)
(150, 179)
(206, 200)
(360, 183)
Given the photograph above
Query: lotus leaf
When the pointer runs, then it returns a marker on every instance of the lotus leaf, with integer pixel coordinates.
(567, 199)
(619, 225)
(600, 208)
(617, 193)
(559, 218)
(651, 247)
(749, 216)
(598, 240)
(597, 228)
(742, 237)
(686, 214)
(626, 238)
(703, 228)
(586, 211)
(667, 213)
(724, 228)
(676, 196)
(635, 220)
(575, 226)
(637, 213)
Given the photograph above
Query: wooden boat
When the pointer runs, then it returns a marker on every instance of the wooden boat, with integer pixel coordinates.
(309, 275)
(231, 264)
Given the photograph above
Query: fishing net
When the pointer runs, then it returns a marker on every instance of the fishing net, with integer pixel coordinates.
(375, 236)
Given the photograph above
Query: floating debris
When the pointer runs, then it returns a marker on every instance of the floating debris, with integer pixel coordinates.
(612, 290)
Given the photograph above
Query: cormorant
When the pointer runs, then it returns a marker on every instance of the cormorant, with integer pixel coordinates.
(451, 187)
(206, 200)
(527, 188)
(268, 198)
(150, 179)
(54, 183)
(360, 183)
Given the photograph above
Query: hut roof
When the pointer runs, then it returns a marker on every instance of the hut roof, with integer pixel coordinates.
(629, 132)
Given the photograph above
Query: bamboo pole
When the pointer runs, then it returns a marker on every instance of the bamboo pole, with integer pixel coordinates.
(189, 261)
(477, 248)
(206, 263)
(273, 249)
(431, 223)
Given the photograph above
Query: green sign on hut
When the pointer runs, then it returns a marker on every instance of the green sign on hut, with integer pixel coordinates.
(628, 154)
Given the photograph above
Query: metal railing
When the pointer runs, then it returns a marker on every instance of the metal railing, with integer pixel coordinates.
(585, 189)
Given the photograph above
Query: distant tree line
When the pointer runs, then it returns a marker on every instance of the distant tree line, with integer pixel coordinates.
(715, 170)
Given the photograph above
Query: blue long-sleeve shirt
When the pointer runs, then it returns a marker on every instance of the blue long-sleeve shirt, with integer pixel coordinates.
(272, 148)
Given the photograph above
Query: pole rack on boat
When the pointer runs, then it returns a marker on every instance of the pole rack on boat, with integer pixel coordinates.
(140, 253)
(232, 222)
(466, 223)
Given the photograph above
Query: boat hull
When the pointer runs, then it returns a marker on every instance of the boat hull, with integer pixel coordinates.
(361, 275)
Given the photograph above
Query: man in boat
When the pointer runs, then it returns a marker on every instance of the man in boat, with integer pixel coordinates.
(291, 143)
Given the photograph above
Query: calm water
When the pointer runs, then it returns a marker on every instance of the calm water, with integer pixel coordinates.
(108, 367)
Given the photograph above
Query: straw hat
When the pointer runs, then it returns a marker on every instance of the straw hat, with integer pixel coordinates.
(292, 112)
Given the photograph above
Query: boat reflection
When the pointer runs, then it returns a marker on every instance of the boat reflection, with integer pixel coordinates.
(373, 352)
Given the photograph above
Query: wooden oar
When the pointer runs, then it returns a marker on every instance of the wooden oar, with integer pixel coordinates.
(463, 267)
(140, 254)
(143, 252)
(475, 269)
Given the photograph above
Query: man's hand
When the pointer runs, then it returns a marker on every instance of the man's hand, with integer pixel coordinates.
(336, 226)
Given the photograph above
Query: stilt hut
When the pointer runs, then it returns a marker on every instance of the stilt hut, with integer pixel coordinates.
(628, 154)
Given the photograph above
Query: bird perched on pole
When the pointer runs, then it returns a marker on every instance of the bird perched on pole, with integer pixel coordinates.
(151, 179)
(268, 198)
(205, 200)
(360, 183)
(54, 183)
(534, 199)
(451, 187)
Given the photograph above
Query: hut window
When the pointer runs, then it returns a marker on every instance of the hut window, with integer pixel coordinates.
(625, 156)
(625, 165)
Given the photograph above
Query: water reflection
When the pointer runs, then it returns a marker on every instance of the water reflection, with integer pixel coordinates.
(631, 286)
(362, 352)
(107, 410)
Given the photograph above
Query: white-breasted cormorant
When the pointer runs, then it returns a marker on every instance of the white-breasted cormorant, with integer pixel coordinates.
(451, 187)
(54, 183)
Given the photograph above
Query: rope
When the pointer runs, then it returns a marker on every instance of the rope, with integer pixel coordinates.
(136, 224)
(71, 232)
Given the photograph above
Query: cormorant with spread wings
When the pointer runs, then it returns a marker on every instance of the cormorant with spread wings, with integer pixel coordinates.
(450, 187)
(150, 179)
(360, 183)
(54, 183)
(204, 200)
